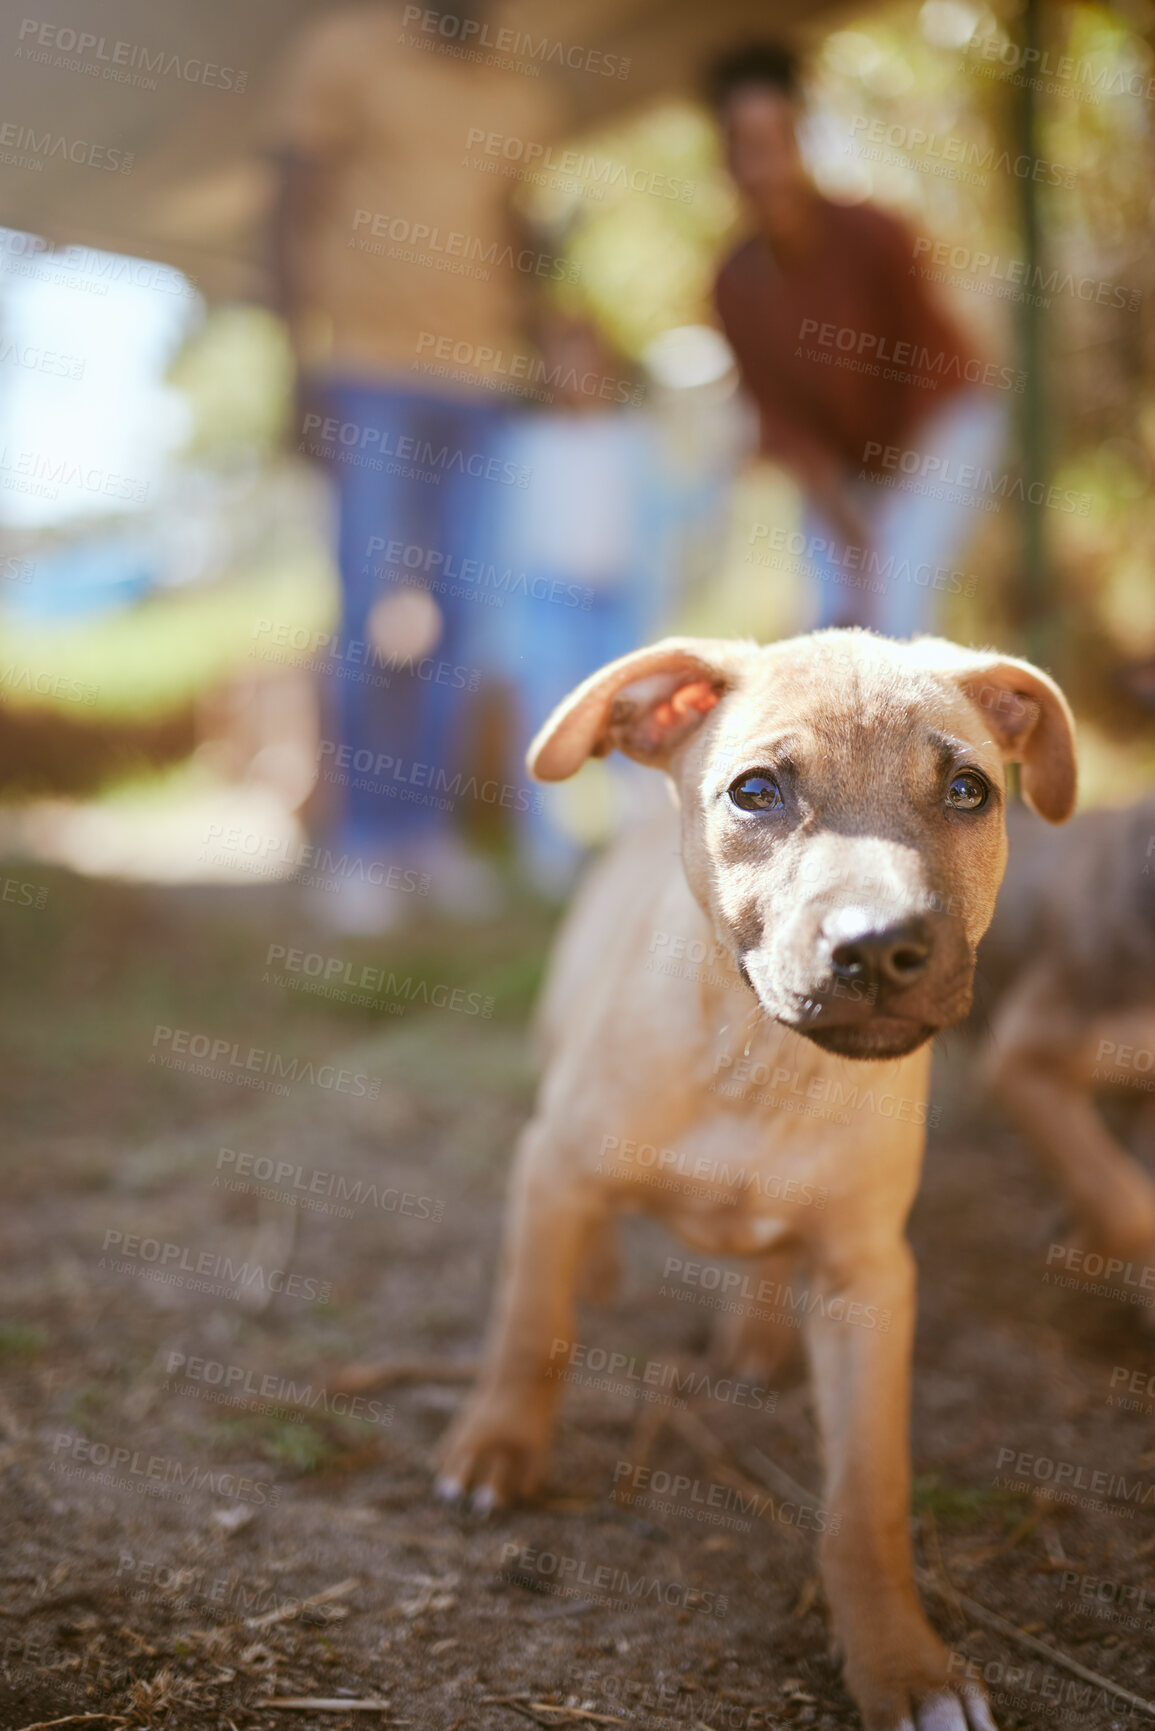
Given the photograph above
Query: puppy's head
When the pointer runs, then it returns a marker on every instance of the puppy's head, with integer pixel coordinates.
(843, 801)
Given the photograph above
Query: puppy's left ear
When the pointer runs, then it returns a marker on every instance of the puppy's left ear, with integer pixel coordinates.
(645, 704)
(1029, 719)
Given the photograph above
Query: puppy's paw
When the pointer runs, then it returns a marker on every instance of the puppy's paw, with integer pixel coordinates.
(911, 1690)
(962, 1709)
(492, 1457)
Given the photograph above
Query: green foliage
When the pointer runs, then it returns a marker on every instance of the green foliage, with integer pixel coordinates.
(965, 1505)
(22, 1340)
(292, 1442)
(158, 656)
(236, 376)
(646, 260)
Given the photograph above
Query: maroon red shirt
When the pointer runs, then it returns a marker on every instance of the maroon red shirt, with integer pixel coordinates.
(843, 349)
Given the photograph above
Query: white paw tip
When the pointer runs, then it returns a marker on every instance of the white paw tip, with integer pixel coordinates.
(978, 1710)
(942, 1712)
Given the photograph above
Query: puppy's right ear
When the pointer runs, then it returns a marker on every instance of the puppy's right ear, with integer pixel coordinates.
(1029, 718)
(645, 704)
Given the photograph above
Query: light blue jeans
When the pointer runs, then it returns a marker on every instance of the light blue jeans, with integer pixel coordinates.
(919, 527)
(420, 723)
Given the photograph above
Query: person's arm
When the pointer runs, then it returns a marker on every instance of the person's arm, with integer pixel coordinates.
(298, 187)
(819, 470)
(919, 312)
(313, 127)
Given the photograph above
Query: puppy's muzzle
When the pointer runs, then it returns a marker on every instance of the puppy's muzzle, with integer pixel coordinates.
(880, 959)
(863, 983)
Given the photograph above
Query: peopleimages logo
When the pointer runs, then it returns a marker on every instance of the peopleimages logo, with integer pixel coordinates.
(1066, 1477)
(82, 267)
(221, 1053)
(800, 1303)
(1084, 78)
(705, 1168)
(470, 34)
(420, 783)
(237, 1382)
(41, 684)
(1016, 273)
(368, 445)
(233, 1597)
(428, 567)
(572, 167)
(266, 854)
(949, 152)
(537, 1567)
(333, 976)
(34, 359)
(25, 895)
(871, 351)
(660, 1374)
(930, 474)
(737, 1074)
(454, 250)
(81, 51)
(1118, 1065)
(494, 364)
(44, 475)
(352, 657)
(213, 1271)
(161, 1473)
(710, 1503)
(806, 550)
(333, 1188)
(21, 146)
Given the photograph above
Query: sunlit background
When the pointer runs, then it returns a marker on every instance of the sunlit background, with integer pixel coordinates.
(160, 530)
(151, 510)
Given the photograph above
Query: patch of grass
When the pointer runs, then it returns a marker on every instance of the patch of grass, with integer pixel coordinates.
(22, 1339)
(502, 970)
(167, 649)
(439, 1322)
(955, 1505)
(515, 984)
(296, 1444)
(89, 1402)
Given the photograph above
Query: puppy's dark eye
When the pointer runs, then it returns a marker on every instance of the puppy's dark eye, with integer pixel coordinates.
(967, 792)
(756, 793)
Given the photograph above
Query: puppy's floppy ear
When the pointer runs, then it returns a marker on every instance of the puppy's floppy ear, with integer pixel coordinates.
(1028, 716)
(645, 704)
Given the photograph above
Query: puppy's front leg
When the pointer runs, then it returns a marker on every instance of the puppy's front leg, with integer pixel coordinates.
(859, 1333)
(498, 1448)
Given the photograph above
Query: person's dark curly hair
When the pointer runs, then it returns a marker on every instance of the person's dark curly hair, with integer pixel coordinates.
(770, 65)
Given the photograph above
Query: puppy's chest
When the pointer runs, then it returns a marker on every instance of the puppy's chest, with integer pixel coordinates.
(735, 1164)
(753, 1156)
(722, 1183)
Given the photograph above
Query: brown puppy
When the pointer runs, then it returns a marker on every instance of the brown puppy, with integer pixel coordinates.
(1070, 965)
(840, 832)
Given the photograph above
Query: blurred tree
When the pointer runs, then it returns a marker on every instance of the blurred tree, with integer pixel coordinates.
(236, 375)
(644, 215)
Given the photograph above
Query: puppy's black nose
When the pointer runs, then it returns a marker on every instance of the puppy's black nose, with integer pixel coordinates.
(886, 957)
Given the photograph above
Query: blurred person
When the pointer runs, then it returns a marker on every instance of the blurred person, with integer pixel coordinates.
(390, 236)
(829, 406)
(595, 553)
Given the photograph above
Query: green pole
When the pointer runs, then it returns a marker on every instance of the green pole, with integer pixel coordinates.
(1037, 628)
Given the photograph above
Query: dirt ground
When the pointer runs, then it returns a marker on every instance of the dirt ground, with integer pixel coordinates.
(175, 1561)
